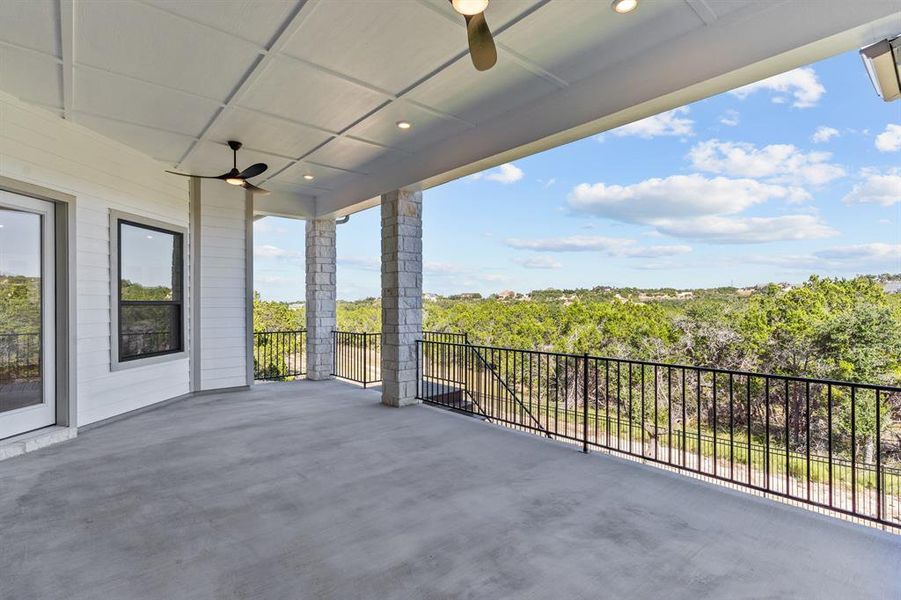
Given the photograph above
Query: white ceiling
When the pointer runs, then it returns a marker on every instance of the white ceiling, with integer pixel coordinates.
(316, 86)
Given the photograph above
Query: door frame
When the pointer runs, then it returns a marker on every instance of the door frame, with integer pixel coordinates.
(66, 290)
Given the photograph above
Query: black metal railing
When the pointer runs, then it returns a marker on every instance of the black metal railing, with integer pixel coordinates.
(832, 444)
(20, 357)
(358, 357)
(279, 355)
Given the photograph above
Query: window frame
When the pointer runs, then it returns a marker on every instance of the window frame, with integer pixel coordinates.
(117, 362)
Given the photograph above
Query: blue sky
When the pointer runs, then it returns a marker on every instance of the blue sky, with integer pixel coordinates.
(795, 175)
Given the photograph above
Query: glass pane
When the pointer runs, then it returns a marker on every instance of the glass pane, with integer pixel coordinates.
(146, 330)
(150, 267)
(20, 310)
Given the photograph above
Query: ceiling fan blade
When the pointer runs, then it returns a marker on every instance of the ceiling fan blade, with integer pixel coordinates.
(253, 170)
(223, 176)
(481, 43)
(254, 189)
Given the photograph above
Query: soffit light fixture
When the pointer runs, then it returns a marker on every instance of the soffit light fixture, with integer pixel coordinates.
(309, 177)
(469, 8)
(883, 63)
(624, 6)
(404, 125)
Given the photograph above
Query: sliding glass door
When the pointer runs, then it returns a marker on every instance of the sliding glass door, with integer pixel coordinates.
(27, 319)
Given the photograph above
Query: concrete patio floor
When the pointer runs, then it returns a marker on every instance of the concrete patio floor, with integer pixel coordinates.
(315, 490)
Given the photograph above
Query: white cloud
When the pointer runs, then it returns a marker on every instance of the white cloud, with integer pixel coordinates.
(538, 262)
(699, 208)
(656, 251)
(778, 162)
(363, 263)
(870, 256)
(573, 243)
(271, 279)
(438, 268)
(675, 197)
(890, 139)
(877, 187)
(616, 247)
(747, 230)
(823, 134)
(269, 251)
(667, 123)
(863, 252)
(506, 174)
(802, 84)
(730, 118)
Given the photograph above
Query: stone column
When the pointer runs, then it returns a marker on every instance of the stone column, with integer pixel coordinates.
(320, 306)
(401, 294)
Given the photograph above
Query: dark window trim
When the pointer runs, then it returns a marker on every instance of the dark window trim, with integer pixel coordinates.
(117, 219)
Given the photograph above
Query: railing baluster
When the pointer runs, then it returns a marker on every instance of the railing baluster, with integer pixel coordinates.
(878, 457)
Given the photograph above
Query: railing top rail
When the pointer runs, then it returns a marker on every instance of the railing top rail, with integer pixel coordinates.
(280, 331)
(793, 378)
(356, 332)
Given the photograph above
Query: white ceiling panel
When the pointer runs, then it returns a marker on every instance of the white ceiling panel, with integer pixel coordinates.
(125, 99)
(210, 158)
(594, 37)
(500, 12)
(263, 131)
(31, 76)
(296, 91)
(479, 96)
(326, 178)
(137, 40)
(156, 74)
(427, 127)
(422, 40)
(356, 155)
(32, 24)
(161, 145)
(257, 22)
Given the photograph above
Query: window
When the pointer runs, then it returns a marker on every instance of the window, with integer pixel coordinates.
(150, 276)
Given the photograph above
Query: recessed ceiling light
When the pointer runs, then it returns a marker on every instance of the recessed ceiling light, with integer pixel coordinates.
(404, 125)
(149, 237)
(309, 177)
(469, 7)
(624, 6)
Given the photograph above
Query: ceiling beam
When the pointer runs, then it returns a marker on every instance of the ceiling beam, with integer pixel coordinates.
(67, 49)
(703, 10)
(515, 56)
(292, 24)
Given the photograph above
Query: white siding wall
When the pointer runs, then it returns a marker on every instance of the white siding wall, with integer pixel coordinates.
(40, 148)
(223, 286)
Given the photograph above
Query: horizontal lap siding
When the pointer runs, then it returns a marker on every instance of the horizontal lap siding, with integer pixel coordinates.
(223, 302)
(40, 148)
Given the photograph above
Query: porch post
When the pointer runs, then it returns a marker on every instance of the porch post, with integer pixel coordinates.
(320, 301)
(401, 294)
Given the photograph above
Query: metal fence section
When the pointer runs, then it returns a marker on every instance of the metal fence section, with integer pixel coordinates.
(20, 357)
(279, 355)
(358, 357)
(830, 444)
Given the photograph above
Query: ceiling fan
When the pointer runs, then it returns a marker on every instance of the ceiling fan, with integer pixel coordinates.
(481, 42)
(236, 177)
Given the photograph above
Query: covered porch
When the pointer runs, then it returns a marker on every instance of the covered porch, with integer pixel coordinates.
(314, 489)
